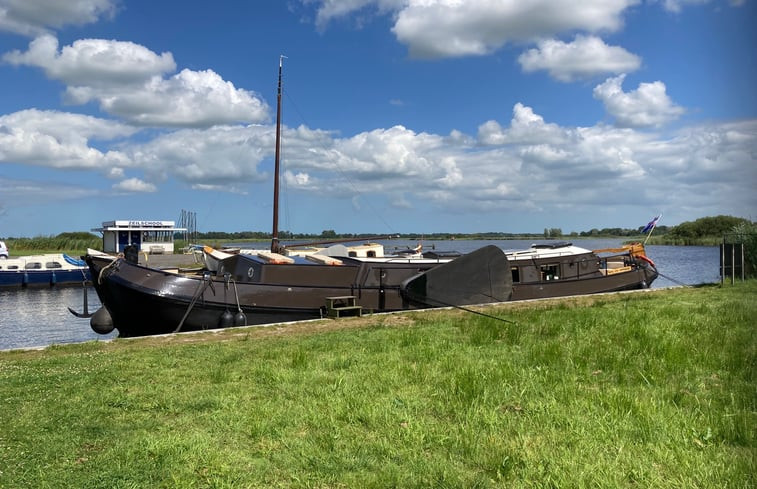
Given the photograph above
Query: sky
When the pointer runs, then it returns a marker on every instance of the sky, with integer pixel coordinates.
(399, 116)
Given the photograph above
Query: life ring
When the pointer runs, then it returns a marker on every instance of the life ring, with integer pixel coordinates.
(647, 259)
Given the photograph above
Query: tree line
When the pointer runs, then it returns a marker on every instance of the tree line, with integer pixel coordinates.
(689, 232)
(705, 227)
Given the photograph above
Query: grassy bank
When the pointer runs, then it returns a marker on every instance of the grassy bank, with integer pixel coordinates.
(635, 390)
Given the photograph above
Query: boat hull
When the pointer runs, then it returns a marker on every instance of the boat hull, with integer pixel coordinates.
(561, 269)
(142, 300)
(146, 301)
(41, 279)
(640, 278)
(40, 271)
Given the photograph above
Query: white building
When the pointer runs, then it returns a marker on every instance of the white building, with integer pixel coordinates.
(148, 236)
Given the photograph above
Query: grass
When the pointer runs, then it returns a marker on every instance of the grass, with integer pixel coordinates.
(74, 244)
(635, 390)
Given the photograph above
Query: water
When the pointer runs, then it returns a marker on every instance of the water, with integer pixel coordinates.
(40, 317)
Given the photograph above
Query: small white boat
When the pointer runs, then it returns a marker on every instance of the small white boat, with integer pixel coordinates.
(46, 270)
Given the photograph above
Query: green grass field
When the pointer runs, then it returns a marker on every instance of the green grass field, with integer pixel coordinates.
(633, 390)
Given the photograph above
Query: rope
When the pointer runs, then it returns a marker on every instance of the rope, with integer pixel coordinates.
(236, 295)
(204, 284)
(673, 280)
(442, 303)
(109, 265)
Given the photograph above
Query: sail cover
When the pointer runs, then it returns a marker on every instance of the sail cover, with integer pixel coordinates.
(479, 277)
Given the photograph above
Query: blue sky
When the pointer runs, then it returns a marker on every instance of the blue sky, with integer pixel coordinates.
(400, 116)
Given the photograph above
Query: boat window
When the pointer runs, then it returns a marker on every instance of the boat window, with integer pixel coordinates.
(12, 267)
(516, 274)
(550, 272)
(53, 264)
(35, 265)
(352, 253)
(371, 254)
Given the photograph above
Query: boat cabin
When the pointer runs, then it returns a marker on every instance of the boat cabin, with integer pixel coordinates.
(154, 237)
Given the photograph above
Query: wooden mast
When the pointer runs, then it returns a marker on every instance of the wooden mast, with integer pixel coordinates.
(275, 234)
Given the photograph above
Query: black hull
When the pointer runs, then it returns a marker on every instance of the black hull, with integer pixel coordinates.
(145, 301)
(172, 306)
(160, 315)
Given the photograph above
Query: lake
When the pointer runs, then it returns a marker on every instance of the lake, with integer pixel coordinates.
(40, 317)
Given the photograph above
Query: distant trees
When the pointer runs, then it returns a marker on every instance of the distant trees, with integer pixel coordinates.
(684, 233)
(706, 226)
(618, 232)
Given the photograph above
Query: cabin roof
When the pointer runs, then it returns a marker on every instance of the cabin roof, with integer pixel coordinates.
(533, 253)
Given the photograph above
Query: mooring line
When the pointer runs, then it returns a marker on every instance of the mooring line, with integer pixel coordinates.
(462, 308)
(673, 280)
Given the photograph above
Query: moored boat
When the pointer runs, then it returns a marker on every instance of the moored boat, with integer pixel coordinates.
(561, 269)
(241, 288)
(255, 289)
(48, 270)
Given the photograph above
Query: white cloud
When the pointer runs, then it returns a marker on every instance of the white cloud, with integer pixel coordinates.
(647, 106)
(94, 63)
(448, 28)
(128, 81)
(215, 158)
(35, 17)
(451, 28)
(677, 5)
(526, 165)
(585, 57)
(333, 9)
(60, 140)
(525, 127)
(135, 185)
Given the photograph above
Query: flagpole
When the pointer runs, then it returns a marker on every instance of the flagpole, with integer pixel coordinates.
(654, 225)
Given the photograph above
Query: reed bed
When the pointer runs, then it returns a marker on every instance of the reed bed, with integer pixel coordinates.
(649, 389)
(72, 243)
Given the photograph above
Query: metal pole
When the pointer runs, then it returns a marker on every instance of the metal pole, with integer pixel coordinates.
(733, 265)
(275, 233)
(722, 262)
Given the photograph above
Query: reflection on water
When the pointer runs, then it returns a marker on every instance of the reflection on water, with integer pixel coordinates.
(39, 317)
